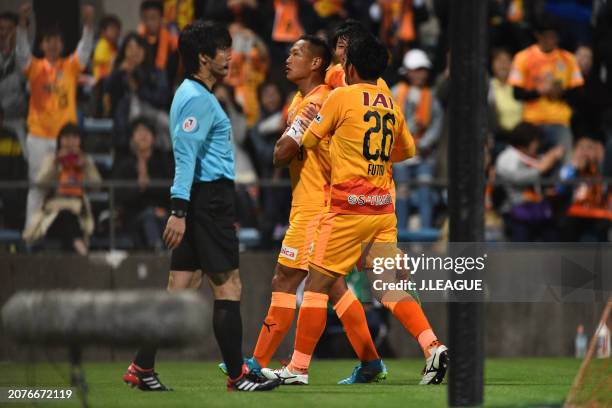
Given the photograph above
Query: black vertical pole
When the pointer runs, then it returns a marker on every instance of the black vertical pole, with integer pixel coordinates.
(468, 125)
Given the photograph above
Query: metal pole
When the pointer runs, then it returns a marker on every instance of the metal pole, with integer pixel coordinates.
(468, 127)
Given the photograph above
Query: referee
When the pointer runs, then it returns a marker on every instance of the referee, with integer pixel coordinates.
(200, 230)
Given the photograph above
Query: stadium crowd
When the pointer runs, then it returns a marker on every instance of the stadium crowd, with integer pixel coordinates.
(550, 116)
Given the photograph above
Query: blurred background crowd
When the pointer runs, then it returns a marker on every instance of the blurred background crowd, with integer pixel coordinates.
(85, 155)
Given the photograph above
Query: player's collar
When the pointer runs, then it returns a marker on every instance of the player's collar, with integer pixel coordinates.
(193, 78)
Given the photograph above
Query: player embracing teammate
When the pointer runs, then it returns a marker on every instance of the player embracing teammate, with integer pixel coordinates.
(366, 133)
(306, 67)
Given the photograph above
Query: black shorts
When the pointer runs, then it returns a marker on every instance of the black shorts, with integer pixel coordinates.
(210, 242)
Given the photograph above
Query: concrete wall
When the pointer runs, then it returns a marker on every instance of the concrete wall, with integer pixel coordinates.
(513, 329)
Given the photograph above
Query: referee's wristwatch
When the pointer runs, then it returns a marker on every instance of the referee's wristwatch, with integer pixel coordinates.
(178, 213)
(179, 208)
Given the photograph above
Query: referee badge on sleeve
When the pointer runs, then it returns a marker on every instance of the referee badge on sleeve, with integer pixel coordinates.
(190, 124)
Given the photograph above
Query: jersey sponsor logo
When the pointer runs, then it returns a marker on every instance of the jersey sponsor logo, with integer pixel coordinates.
(318, 118)
(379, 99)
(289, 253)
(372, 200)
(190, 124)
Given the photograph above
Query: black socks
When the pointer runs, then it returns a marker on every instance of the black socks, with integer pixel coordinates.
(227, 325)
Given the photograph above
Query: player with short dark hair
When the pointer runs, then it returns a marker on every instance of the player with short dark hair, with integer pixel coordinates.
(348, 31)
(367, 132)
(201, 229)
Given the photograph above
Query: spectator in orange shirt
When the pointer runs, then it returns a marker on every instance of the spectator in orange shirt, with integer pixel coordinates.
(162, 45)
(544, 76)
(247, 70)
(106, 48)
(53, 87)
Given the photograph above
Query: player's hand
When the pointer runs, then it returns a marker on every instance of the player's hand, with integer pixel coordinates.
(309, 112)
(87, 15)
(25, 11)
(175, 229)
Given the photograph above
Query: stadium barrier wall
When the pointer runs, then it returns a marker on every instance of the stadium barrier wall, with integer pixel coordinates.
(513, 329)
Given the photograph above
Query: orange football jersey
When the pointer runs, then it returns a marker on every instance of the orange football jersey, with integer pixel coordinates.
(53, 92)
(309, 170)
(365, 126)
(529, 67)
(336, 78)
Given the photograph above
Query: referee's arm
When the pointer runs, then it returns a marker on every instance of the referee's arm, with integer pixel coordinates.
(188, 136)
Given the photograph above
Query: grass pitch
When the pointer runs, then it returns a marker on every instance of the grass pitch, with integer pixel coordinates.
(508, 383)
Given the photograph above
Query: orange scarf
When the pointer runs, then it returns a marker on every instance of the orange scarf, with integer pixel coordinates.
(287, 28)
(406, 28)
(166, 44)
(423, 109)
(70, 179)
(595, 203)
(397, 21)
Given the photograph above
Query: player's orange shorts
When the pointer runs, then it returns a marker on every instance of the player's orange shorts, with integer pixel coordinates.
(303, 223)
(341, 239)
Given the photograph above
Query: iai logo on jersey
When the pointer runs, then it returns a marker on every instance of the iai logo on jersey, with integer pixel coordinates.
(318, 118)
(190, 124)
(289, 253)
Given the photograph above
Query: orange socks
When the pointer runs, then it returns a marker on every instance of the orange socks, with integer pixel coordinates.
(411, 316)
(310, 326)
(275, 326)
(351, 314)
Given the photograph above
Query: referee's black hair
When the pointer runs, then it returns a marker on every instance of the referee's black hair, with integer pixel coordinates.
(368, 55)
(201, 38)
(347, 30)
(320, 49)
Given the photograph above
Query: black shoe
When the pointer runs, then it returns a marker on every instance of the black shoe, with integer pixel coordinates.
(251, 382)
(144, 380)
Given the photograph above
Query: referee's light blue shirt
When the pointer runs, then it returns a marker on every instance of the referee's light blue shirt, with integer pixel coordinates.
(201, 138)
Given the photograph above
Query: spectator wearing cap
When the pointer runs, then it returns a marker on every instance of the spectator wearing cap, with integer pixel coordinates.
(13, 96)
(543, 77)
(106, 47)
(53, 82)
(143, 210)
(424, 118)
(162, 45)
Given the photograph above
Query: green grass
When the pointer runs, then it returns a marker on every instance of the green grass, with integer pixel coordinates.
(508, 382)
